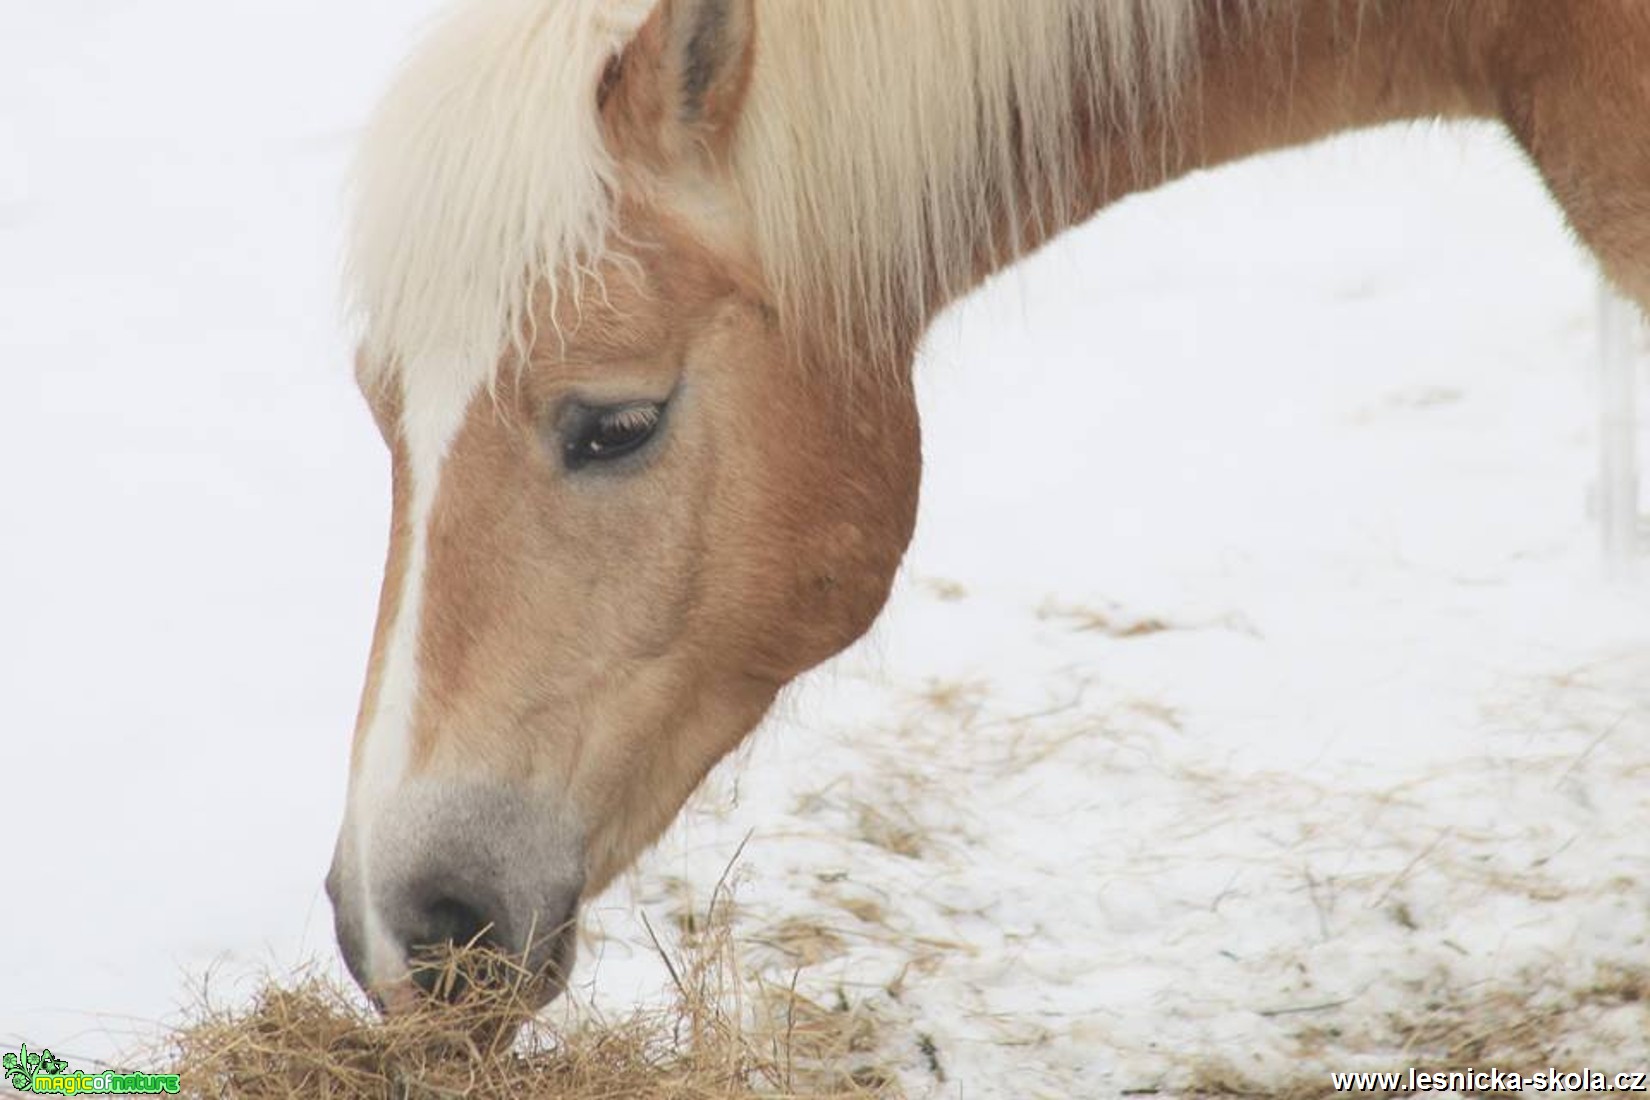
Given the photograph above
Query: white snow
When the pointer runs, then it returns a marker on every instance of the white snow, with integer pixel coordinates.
(1328, 418)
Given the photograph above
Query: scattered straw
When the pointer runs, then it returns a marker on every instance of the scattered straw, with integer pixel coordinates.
(722, 1039)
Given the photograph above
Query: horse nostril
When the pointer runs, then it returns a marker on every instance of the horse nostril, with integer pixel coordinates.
(445, 925)
(456, 922)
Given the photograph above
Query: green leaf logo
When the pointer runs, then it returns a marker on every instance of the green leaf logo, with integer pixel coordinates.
(22, 1068)
(17, 1069)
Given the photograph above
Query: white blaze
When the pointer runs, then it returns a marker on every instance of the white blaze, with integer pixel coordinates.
(433, 405)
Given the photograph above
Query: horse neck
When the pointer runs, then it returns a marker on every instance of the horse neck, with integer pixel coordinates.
(1267, 79)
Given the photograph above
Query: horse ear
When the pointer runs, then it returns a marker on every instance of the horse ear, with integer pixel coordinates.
(683, 77)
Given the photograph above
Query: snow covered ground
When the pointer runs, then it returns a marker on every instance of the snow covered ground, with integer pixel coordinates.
(1251, 702)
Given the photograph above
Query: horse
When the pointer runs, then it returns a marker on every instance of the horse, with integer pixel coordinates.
(639, 287)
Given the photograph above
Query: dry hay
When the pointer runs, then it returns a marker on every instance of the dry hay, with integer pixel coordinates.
(723, 1038)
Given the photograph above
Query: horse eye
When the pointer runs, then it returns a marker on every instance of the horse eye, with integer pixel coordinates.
(607, 433)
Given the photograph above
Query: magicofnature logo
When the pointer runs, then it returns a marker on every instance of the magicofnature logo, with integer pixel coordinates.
(47, 1073)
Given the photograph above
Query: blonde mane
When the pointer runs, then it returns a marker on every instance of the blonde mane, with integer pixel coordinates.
(889, 147)
(881, 142)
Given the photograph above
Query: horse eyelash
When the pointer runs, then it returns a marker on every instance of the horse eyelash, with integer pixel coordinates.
(634, 418)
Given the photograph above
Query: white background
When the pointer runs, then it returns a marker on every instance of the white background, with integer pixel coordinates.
(1328, 416)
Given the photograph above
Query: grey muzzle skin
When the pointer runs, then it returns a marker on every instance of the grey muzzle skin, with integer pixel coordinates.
(443, 865)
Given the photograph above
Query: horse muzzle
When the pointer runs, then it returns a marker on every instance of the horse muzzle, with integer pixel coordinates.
(442, 889)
